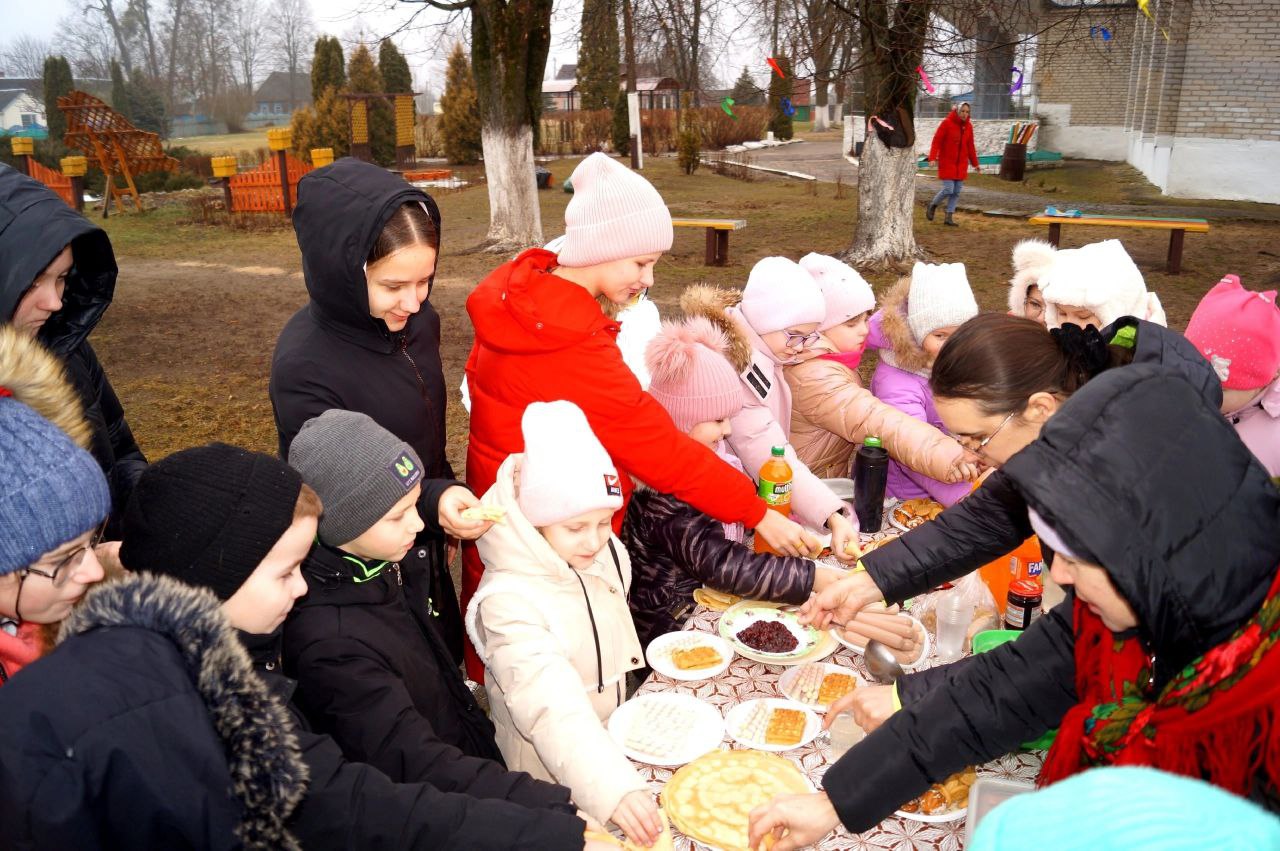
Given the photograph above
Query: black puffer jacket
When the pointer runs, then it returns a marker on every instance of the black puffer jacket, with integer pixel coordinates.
(35, 225)
(675, 548)
(333, 354)
(993, 519)
(148, 728)
(1192, 546)
(380, 680)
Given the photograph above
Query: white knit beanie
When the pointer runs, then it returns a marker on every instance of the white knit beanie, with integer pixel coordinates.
(939, 297)
(614, 213)
(780, 294)
(844, 292)
(565, 471)
(1101, 277)
(1031, 258)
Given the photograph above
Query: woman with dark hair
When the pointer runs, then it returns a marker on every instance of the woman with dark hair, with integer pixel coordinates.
(369, 341)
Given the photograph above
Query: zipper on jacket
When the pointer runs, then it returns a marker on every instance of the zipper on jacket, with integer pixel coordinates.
(395, 565)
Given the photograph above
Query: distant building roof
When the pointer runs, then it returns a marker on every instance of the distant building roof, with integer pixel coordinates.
(276, 88)
(35, 86)
(8, 96)
(558, 86)
(653, 84)
(567, 71)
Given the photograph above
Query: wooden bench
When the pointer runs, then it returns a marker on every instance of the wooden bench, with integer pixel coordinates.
(1177, 229)
(717, 236)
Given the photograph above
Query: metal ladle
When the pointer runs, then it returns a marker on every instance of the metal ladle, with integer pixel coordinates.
(881, 663)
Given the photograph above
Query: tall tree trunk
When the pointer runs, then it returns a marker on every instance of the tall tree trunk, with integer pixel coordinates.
(173, 55)
(630, 48)
(510, 40)
(122, 44)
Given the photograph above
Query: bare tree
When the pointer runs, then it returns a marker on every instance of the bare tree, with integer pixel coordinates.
(87, 46)
(295, 31)
(248, 36)
(107, 9)
(24, 56)
(137, 24)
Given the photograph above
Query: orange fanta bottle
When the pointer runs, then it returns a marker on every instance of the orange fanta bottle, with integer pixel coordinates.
(1024, 562)
(774, 489)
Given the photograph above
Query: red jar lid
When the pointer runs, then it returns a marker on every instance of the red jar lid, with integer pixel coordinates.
(1025, 588)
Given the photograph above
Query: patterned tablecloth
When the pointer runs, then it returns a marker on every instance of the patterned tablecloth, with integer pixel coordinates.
(745, 680)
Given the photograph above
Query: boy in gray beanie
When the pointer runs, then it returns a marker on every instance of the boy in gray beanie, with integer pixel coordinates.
(372, 670)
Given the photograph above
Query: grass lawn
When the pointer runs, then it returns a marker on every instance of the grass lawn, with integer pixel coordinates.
(227, 144)
(188, 340)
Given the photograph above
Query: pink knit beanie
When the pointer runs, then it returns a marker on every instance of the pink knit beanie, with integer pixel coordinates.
(614, 213)
(844, 292)
(780, 294)
(690, 375)
(1239, 332)
(565, 471)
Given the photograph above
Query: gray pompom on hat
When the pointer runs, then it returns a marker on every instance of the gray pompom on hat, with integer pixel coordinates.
(359, 469)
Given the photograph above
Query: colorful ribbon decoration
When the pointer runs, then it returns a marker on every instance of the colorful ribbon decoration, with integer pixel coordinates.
(773, 63)
(787, 109)
(928, 86)
(727, 106)
(1017, 84)
(1102, 31)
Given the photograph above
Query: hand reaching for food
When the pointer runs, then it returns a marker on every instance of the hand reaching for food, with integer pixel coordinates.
(841, 601)
(637, 815)
(794, 821)
(871, 706)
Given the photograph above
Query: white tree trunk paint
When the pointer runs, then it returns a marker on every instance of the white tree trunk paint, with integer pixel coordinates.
(633, 118)
(515, 219)
(884, 234)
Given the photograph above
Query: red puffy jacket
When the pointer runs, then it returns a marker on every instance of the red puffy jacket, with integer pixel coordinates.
(540, 338)
(953, 148)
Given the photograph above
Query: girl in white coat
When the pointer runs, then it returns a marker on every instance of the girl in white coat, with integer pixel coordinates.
(550, 618)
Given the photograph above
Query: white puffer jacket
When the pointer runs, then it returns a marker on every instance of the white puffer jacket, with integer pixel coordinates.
(557, 644)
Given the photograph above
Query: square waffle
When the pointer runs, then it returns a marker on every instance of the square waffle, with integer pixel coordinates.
(695, 657)
(786, 727)
(834, 687)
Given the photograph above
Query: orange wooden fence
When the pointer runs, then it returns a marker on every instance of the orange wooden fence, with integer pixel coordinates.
(258, 189)
(55, 180)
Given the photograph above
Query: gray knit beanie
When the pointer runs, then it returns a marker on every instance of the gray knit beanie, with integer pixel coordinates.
(359, 469)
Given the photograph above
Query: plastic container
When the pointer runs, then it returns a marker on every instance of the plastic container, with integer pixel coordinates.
(842, 488)
(954, 616)
(1025, 562)
(775, 489)
(987, 794)
(870, 478)
(1026, 597)
(845, 733)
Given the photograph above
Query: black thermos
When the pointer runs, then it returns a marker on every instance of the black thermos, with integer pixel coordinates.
(870, 476)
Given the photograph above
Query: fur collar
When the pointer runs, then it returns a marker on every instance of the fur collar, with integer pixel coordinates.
(267, 771)
(712, 303)
(37, 379)
(906, 352)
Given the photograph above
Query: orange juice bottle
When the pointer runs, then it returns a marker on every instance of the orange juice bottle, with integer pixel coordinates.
(1024, 562)
(775, 489)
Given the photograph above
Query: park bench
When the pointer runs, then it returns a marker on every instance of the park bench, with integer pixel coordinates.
(1177, 229)
(717, 236)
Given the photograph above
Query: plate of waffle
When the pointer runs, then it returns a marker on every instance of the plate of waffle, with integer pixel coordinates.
(818, 685)
(942, 802)
(666, 729)
(688, 655)
(913, 513)
(710, 800)
(772, 724)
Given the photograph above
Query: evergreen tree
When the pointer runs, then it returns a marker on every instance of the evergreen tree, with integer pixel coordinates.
(363, 78)
(328, 69)
(598, 55)
(324, 124)
(746, 92)
(119, 92)
(57, 82)
(460, 113)
(146, 108)
(396, 78)
(621, 126)
(779, 88)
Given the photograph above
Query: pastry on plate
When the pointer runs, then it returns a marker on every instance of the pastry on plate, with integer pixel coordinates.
(786, 727)
(696, 657)
(917, 512)
(948, 796)
(496, 513)
(715, 600)
(659, 729)
(710, 800)
(834, 687)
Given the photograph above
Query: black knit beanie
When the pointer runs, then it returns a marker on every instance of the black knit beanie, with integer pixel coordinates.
(207, 516)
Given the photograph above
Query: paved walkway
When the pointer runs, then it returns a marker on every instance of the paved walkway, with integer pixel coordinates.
(825, 161)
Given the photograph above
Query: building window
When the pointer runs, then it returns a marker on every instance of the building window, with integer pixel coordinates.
(277, 107)
(262, 107)
(28, 119)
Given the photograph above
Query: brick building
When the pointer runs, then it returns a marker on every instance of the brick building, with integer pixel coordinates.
(1198, 111)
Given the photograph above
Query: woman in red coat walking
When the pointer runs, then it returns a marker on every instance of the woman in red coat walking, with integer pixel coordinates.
(953, 150)
(541, 336)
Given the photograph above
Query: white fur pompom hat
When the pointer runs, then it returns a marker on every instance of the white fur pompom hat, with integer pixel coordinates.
(845, 292)
(1101, 277)
(1031, 259)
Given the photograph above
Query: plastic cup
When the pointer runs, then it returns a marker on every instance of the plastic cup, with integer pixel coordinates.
(954, 617)
(844, 734)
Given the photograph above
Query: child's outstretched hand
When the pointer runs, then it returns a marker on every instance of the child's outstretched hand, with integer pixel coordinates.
(637, 815)
(453, 502)
(786, 535)
(843, 533)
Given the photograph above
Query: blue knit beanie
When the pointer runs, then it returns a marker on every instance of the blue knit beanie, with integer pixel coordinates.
(51, 491)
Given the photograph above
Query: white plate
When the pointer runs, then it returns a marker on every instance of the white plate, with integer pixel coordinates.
(659, 652)
(702, 736)
(738, 618)
(925, 650)
(739, 714)
(940, 818)
(789, 677)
